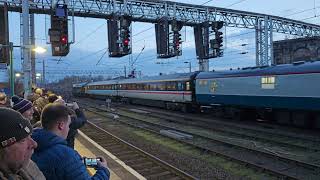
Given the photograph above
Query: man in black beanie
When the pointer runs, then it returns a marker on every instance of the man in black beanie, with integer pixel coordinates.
(16, 147)
(23, 106)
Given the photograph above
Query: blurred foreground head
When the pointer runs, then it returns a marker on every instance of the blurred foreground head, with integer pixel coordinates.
(16, 144)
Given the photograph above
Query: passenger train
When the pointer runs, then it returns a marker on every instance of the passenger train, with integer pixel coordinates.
(289, 94)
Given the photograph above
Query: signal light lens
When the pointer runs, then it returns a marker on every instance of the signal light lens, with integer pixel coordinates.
(126, 42)
(64, 39)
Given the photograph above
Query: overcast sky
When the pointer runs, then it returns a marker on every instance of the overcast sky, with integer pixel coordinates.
(91, 41)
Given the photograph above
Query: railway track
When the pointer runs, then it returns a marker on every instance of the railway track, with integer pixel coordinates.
(297, 139)
(276, 165)
(298, 142)
(291, 146)
(144, 163)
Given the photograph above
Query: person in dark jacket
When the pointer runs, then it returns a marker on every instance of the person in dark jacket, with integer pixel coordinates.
(52, 98)
(78, 119)
(55, 159)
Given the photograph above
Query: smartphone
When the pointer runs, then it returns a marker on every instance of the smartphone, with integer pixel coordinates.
(91, 162)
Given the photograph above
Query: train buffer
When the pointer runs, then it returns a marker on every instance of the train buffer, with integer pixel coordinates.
(118, 169)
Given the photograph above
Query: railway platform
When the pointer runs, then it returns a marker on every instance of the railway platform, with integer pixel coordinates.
(118, 169)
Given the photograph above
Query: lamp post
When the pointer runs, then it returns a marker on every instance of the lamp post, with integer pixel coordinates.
(11, 70)
(189, 65)
(38, 76)
(11, 46)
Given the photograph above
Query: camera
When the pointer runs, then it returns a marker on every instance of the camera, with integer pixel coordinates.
(91, 162)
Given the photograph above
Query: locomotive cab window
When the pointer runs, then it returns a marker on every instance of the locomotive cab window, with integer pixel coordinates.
(268, 82)
(203, 82)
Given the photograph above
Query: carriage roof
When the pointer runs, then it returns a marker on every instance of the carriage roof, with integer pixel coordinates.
(300, 67)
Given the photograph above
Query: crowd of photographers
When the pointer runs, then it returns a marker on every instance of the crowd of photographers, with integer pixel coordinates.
(37, 139)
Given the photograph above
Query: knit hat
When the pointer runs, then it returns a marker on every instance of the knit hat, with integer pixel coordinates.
(39, 91)
(20, 104)
(3, 96)
(14, 127)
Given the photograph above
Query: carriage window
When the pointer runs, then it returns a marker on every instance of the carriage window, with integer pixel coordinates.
(153, 86)
(180, 86)
(171, 86)
(161, 86)
(187, 86)
(203, 82)
(268, 82)
(146, 86)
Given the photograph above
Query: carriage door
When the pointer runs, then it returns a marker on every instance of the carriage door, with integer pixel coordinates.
(115, 88)
(181, 89)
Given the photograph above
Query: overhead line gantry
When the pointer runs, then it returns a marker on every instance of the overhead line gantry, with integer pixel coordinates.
(190, 15)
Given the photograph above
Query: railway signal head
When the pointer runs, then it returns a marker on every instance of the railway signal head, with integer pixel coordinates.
(217, 25)
(219, 38)
(177, 42)
(59, 31)
(126, 40)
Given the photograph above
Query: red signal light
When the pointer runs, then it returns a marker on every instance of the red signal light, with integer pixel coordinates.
(64, 39)
(126, 42)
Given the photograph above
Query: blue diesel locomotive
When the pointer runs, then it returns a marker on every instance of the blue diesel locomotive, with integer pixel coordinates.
(289, 93)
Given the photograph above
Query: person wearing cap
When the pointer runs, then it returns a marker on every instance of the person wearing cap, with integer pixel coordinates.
(39, 103)
(3, 100)
(16, 148)
(23, 106)
(53, 156)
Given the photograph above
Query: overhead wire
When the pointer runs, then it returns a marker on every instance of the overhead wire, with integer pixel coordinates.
(238, 2)
(90, 34)
(101, 57)
(87, 36)
(206, 2)
(302, 11)
(147, 29)
(201, 4)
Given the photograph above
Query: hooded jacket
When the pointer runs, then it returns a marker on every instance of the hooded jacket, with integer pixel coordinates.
(57, 161)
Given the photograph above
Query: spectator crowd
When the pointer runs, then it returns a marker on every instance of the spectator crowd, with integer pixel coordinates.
(37, 137)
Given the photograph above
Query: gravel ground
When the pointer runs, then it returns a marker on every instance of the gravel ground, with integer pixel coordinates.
(192, 164)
